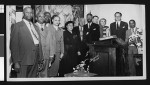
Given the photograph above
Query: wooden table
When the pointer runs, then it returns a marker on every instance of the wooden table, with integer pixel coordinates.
(80, 74)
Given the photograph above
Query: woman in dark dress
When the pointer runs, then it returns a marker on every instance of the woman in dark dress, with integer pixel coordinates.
(71, 50)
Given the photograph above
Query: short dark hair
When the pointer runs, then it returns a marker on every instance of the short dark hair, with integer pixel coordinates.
(118, 13)
(47, 13)
(89, 14)
(95, 16)
(68, 23)
(132, 20)
(54, 17)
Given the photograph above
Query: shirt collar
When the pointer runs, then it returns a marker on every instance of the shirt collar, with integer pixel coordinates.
(56, 28)
(41, 25)
(118, 22)
(90, 23)
(27, 22)
(133, 28)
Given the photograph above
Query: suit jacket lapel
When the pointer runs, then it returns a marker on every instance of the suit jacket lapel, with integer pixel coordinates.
(45, 30)
(42, 33)
(121, 24)
(25, 28)
(115, 26)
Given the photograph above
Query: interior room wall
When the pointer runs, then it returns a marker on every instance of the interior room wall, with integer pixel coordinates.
(129, 11)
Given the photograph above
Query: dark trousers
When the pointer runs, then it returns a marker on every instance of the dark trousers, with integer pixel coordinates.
(30, 71)
(83, 49)
(120, 62)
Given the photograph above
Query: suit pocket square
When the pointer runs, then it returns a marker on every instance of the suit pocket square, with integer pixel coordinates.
(87, 33)
(94, 29)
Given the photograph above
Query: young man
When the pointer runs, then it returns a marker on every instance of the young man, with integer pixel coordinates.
(132, 40)
(95, 19)
(119, 28)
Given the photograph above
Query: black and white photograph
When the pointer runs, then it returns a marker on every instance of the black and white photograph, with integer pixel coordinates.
(2, 42)
(75, 42)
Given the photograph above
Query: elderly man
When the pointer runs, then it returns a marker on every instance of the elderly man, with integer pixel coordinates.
(43, 31)
(25, 46)
(119, 27)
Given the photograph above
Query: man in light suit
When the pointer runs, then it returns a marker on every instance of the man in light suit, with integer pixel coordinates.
(132, 40)
(119, 28)
(25, 46)
(43, 31)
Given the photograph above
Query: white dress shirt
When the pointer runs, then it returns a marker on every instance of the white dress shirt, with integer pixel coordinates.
(133, 36)
(118, 23)
(41, 25)
(89, 25)
(81, 32)
(35, 40)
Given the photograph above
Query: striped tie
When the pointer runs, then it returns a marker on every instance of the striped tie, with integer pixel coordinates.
(33, 31)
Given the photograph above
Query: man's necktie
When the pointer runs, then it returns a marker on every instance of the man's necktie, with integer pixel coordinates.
(117, 26)
(89, 25)
(42, 28)
(81, 33)
(33, 31)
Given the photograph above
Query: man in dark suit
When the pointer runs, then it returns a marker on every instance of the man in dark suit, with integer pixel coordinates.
(79, 31)
(25, 46)
(91, 31)
(119, 29)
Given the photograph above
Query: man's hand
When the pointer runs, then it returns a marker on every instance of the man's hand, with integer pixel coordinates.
(17, 67)
(51, 60)
(61, 56)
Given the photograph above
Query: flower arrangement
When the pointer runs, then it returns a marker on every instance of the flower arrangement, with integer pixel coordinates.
(84, 65)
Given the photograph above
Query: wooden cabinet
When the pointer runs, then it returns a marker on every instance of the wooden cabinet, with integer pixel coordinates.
(106, 64)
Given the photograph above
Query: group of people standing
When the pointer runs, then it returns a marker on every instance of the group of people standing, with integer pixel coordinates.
(59, 49)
